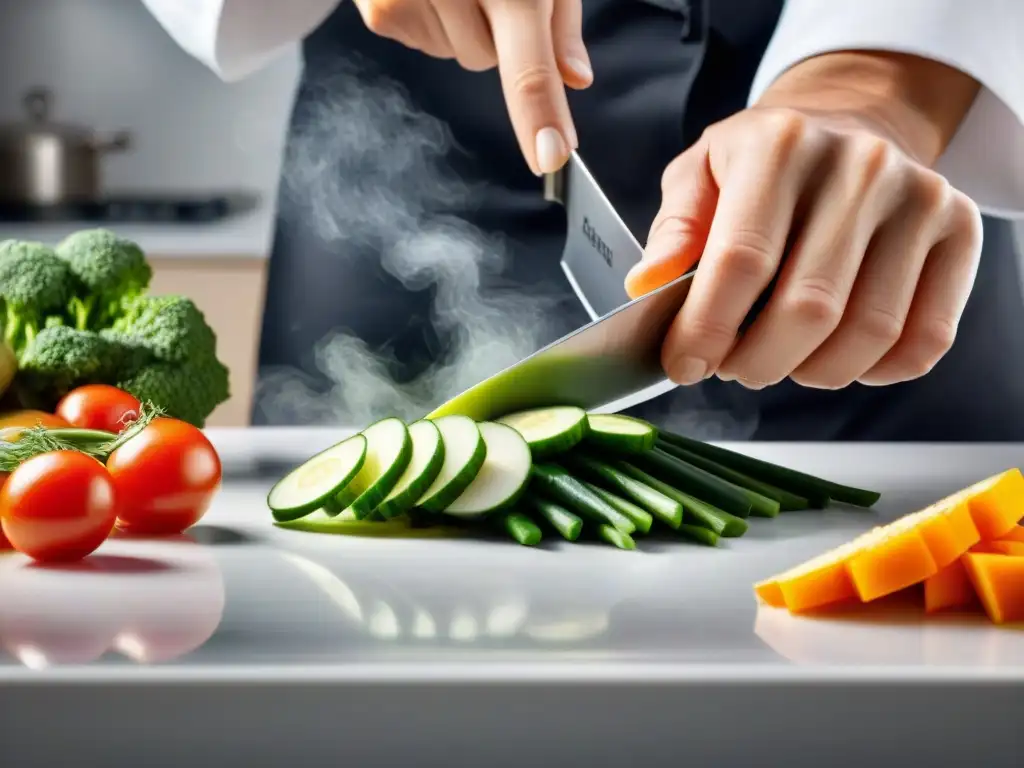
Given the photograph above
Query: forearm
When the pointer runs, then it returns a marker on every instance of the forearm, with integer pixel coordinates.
(917, 102)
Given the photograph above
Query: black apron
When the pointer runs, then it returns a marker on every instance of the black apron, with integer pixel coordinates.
(411, 230)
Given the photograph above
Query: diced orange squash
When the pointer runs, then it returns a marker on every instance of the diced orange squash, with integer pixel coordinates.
(948, 589)
(821, 581)
(996, 503)
(770, 593)
(1014, 534)
(998, 581)
(899, 559)
(1009, 548)
(908, 551)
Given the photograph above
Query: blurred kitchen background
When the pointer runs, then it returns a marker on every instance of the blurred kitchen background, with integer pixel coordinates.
(198, 177)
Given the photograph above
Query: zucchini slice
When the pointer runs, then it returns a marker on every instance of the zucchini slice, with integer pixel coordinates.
(502, 478)
(549, 431)
(388, 449)
(621, 434)
(464, 453)
(422, 470)
(317, 481)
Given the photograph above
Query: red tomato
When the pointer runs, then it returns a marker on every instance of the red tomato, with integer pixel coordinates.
(166, 477)
(58, 506)
(99, 406)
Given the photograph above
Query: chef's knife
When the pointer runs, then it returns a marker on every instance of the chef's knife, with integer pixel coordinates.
(614, 361)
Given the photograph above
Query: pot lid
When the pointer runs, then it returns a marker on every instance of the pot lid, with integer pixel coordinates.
(38, 105)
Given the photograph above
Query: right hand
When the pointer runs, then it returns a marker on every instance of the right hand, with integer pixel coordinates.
(537, 46)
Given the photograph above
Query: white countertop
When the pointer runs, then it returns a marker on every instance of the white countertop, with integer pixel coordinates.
(243, 639)
(247, 235)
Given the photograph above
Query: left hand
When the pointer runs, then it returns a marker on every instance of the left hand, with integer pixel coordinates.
(883, 251)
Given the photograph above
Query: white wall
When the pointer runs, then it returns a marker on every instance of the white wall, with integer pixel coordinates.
(112, 66)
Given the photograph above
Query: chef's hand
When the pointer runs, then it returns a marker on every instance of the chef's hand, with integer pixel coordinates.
(537, 46)
(833, 163)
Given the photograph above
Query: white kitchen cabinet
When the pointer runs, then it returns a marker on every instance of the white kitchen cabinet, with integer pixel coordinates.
(229, 291)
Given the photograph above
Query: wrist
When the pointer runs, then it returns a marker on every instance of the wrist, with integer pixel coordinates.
(916, 103)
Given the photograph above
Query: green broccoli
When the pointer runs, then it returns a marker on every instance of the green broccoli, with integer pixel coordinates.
(112, 270)
(60, 358)
(172, 328)
(35, 285)
(188, 391)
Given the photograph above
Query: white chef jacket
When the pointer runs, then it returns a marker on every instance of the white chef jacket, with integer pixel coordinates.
(983, 38)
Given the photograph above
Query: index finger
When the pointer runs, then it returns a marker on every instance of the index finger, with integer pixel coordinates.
(744, 247)
(531, 81)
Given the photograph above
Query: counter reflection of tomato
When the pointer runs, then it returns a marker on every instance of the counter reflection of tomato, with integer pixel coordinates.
(99, 406)
(58, 506)
(151, 600)
(166, 477)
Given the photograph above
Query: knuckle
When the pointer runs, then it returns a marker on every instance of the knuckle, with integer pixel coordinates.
(879, 325)
(815, 303)
(705, 333)
(679, 226)
(965, 217)
(931, 191)
(534, 82)
(749, 255)
(380, 16)
(785, 128)
(932, 339)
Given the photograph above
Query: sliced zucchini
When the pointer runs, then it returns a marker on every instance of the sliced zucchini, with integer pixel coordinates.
(422, 470)
(388, 449)
(549, 430)
(317, 481)
(464, 453)
(503, 477)
(622, 434)
(346, 524)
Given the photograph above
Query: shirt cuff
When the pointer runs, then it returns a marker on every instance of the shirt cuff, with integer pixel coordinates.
(981, 38)
(235, 38)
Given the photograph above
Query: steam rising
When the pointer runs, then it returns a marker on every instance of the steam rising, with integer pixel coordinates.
(366, 169)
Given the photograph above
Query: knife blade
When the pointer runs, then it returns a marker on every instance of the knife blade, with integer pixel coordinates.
(613, 362)
(599, 248)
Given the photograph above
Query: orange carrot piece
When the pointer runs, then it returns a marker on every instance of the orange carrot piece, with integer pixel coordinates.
(770, 593)
(998, 581)
(996, 504)
(949, 588)
(899, 559)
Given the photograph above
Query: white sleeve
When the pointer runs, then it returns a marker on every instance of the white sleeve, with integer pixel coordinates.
(235, 38)
(982, 38)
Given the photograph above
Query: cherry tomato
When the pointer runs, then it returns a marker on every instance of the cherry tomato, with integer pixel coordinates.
(99, 406)
(166, 477)
(58, 506)
(14, 423)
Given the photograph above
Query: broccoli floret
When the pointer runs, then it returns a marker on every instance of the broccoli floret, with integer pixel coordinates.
(112, 270)
(60, 358)
(34, 284)
(172, 328)
(187, 391)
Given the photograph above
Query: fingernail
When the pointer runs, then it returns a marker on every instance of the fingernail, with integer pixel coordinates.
(551, 150)
(689, 370)
(580, 68)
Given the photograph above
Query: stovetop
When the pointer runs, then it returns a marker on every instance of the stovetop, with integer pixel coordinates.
(142, 208)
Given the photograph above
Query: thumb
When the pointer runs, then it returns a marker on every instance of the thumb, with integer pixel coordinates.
(679, 233)
(571, 53)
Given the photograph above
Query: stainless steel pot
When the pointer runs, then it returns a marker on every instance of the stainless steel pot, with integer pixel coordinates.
(45, 163)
